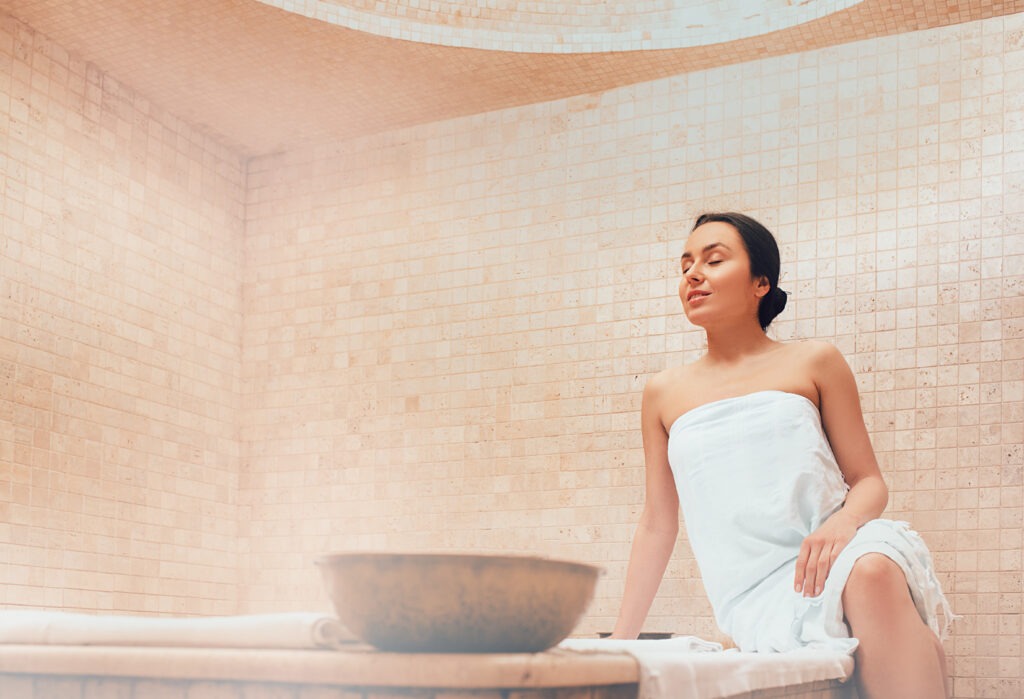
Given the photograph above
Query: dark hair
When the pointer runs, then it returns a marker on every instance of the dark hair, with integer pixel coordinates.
(763, 252)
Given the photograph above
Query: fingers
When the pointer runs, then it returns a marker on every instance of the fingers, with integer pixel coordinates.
(819, 552)
(821, 569)
(813, 566)
(811, 573)
(807, 571)
(801, 566)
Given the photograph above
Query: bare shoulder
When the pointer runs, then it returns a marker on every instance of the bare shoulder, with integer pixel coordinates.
(806, 366)
(805, 356)
(821, 355)
(663, 391)
(815, 351)
(659, 383)
(825, 362)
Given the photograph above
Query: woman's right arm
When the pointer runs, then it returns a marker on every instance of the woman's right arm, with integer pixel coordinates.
(656, 534)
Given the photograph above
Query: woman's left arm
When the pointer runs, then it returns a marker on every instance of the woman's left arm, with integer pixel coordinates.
(844, 426)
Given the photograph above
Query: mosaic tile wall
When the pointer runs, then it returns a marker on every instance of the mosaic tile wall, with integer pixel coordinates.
(120, 328)
(448, 328)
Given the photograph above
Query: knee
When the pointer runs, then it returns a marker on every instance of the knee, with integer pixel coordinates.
(873, 576)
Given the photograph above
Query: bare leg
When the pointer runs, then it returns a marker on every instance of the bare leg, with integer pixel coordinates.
(941, 652)
(897, 657)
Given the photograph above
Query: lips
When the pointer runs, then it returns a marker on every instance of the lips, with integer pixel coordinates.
(697, 294)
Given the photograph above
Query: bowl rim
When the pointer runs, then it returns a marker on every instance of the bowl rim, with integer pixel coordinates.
(334, 557)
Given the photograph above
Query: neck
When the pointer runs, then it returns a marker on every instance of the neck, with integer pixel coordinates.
(730, 344)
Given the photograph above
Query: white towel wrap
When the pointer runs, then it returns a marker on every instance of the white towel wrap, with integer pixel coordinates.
(756, 475)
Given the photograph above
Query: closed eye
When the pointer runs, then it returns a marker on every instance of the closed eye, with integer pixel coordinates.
(712, 262)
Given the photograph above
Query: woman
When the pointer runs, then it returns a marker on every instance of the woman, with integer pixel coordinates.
(763, 444)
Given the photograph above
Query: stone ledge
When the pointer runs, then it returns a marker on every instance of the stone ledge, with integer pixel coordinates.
(360, 666)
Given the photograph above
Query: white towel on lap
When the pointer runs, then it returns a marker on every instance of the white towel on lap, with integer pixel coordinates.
(286, 630)
(687, 666)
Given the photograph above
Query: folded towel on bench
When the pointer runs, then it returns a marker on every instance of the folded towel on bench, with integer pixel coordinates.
(687, 666)
(286, 630)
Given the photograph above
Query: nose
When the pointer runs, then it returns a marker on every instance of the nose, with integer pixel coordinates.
(693, 275)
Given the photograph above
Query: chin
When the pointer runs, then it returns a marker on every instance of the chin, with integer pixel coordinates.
(695, 319)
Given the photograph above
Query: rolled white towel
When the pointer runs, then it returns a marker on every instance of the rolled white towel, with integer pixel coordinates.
(285, 630)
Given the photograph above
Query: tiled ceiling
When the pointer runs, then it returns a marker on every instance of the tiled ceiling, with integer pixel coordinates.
(262, 79)
(566, 26)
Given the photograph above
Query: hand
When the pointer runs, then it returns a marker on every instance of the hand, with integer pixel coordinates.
(820, 550)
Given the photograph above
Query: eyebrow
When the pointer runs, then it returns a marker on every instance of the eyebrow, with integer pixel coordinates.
(705, 249)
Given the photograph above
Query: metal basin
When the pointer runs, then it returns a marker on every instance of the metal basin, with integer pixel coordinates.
(458, 603)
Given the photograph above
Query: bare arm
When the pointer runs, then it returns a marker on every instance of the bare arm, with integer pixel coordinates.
(656, 534)
(844, 425)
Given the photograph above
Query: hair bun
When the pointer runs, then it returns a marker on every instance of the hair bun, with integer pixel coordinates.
(780, 298)
(771, 305)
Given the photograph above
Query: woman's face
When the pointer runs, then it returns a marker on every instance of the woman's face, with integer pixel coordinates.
(716, 283)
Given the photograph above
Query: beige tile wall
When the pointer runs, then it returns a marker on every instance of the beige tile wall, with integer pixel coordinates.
(120, 328)
(448, 328)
